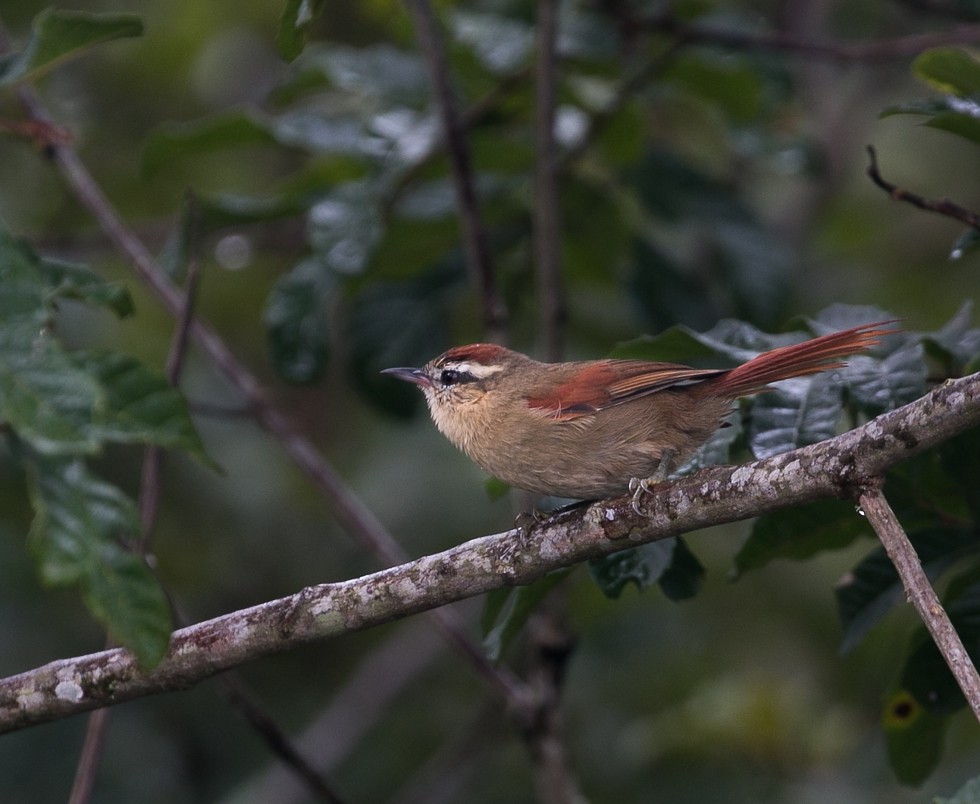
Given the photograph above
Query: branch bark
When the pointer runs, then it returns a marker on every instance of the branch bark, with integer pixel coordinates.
(832, 468)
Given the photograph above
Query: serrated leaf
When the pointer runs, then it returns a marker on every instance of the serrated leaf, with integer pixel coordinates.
(507, 610)
(294, 24)
(57, 36)
(949, 70)
(123, 594)
(78, 522)
(296, 322)
(140, 406)
(75, 513)
(799, 533)
(47, 403)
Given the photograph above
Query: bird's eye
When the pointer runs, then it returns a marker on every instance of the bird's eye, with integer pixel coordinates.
(449, 377)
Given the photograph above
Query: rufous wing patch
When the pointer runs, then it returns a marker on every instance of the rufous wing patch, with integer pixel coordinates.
(612, 382)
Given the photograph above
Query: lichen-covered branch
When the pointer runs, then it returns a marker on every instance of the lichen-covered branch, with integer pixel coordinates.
(710, 497)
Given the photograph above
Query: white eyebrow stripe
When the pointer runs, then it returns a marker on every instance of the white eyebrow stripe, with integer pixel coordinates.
(477, 370)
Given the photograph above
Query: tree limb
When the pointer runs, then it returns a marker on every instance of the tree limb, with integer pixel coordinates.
(832, 468)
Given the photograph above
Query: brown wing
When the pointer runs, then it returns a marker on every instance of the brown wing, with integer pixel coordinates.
(605, 383)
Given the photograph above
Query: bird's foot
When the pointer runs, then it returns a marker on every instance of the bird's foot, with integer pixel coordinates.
(641, 486)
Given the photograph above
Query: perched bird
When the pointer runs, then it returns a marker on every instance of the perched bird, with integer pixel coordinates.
(593, 429)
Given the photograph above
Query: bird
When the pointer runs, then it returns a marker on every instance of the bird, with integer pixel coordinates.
(593, 429)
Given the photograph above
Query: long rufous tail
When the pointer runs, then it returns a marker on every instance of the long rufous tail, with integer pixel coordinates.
(800, 359)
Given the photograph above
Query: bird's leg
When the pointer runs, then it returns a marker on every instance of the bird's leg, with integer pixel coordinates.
(641, 486)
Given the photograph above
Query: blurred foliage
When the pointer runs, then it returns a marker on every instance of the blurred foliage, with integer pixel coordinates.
(701, 181)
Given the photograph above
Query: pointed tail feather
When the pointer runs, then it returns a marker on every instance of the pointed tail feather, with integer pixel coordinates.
(798, 360)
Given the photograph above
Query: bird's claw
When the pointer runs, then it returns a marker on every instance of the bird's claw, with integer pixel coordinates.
(639, 487)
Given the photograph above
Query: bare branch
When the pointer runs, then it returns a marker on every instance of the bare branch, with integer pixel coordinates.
(711, 497)
(942, 206)
(920, 592)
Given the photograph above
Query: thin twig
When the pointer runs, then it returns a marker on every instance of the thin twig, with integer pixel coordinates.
(241, 700)
(475, 244)
(920, 592)
(710, 497)
(941, 206)
(551, 292)
(90, 756)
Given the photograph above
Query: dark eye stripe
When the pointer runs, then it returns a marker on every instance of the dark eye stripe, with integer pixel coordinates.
(455, 377)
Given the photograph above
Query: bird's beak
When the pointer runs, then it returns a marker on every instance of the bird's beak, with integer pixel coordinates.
(412, 375)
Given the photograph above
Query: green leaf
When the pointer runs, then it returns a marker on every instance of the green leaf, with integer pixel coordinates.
(507, 610)
(913, 737)
(502, 44)
(176, 141)
(69, 281)
(803, 411)
(683, 577)
(641, 566)
(78, 522)
(48, 401)
(63, 403)
(873, 587)
(296, 322)
(799, 533)
(294, 24)
(122, 593)
(377, 73)
(917, 712)
(140, 406)
(729, 83)
(668, 562)
(44, 398)
(963, 123)
(949, 70)
(57, 36)
(956, 343)
(345, 228)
